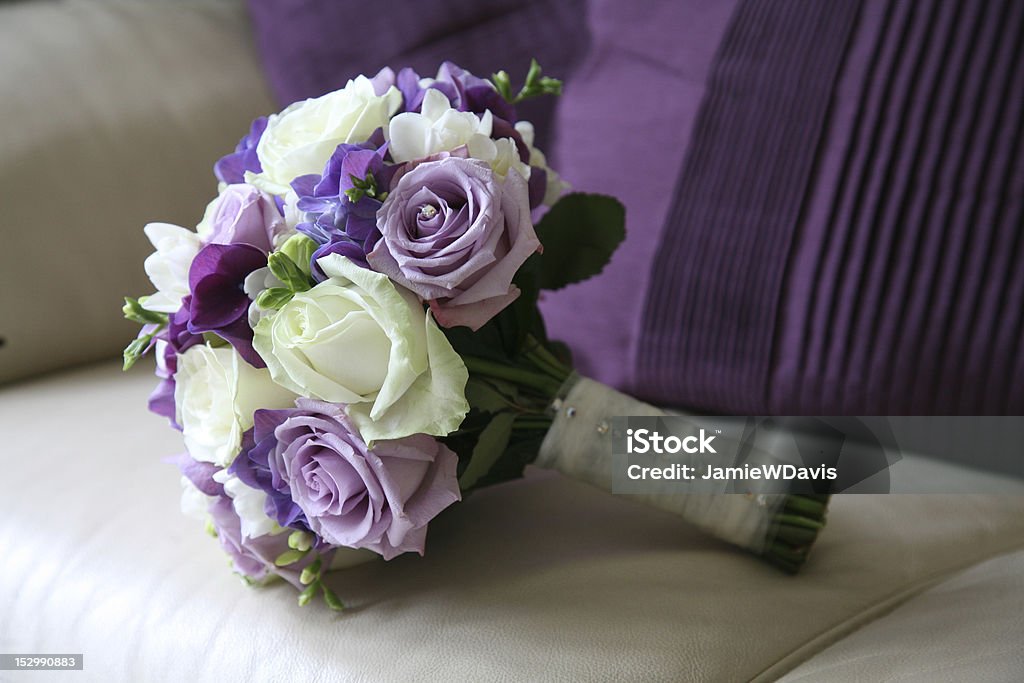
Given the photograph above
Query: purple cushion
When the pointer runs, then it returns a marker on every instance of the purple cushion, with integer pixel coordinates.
(310, 47)
(823, 199)
(824, 205)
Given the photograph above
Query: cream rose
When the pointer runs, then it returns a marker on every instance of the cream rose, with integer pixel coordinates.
(301, 139)
(358, 339)
(216, 394)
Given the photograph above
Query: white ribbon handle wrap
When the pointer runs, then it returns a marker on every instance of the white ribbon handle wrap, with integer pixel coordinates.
(579, 446)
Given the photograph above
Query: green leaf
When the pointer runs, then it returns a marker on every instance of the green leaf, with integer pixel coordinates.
(490, 396)
(489, 449)
(580, 233)
(289, 557)
(137, 313)
(521, 452)
(274, 298)
(286, 270)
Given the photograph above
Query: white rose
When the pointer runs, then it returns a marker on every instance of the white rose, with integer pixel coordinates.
(301, 139)
(168, 266)
(556, 187)
(437, 128)
(359, 339)
(216, 394)
(249, 505)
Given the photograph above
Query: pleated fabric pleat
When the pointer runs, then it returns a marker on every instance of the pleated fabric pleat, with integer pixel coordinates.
(908, 276)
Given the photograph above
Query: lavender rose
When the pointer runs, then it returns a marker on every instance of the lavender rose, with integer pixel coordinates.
(455, 233)
(244, 215)
(349, 495)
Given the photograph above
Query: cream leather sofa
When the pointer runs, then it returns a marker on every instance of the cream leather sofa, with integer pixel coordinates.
(113, 114)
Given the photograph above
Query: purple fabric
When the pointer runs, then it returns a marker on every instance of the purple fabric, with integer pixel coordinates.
(310, 47)
(645, 72)
(737, 205)
(873, 263)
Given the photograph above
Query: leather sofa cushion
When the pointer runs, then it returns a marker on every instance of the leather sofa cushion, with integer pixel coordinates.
(542, 579)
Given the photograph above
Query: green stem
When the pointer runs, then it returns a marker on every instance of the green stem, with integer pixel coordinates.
(546, 361)
(796, 528)
(543, 383)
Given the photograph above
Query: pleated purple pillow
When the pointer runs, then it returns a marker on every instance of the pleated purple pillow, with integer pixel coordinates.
(310, 47)
(825, 205)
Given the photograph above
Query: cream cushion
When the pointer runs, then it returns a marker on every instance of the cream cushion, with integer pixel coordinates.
(92, 151)
(542, 579)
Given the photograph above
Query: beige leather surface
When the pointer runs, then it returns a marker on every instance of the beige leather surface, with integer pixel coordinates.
(969, 628)
(113, 114)
(539, 580)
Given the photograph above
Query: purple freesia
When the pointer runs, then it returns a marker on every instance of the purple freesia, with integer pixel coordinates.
(253, 469)
(254, 558)
(231, 168)
(217, 303)
(335, 222)
(178, 339)
(199, 473)
(464, 91)
(350, 495)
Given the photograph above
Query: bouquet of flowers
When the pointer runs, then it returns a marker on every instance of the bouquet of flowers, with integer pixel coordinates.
(349, 341)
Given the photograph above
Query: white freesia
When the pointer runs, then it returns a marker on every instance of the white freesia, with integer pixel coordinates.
(292, 217)
(249, 505)
(436, 128)
(216, 394)
(556, 187)
(502, 155)
(359, 339)
(167, 267)
(301, 139)
(254, 284)
(194, 503)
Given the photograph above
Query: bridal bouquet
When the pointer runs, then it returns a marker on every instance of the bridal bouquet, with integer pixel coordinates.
(350, 341)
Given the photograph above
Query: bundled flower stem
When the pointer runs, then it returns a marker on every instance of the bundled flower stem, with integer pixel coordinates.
(541, 378)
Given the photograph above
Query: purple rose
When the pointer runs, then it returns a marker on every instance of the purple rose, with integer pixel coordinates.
(231, 168)
(218, 303)
(244, 215)
(455, 234)
(350, 495)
